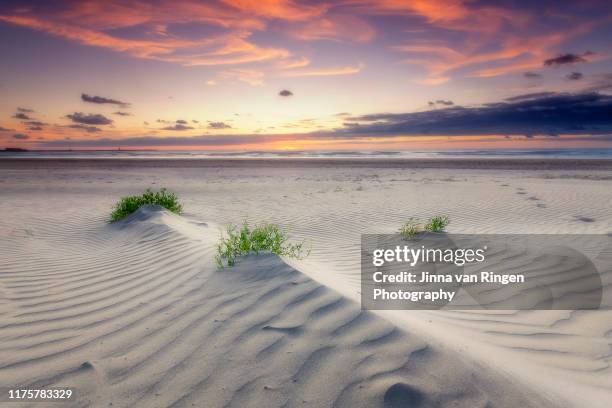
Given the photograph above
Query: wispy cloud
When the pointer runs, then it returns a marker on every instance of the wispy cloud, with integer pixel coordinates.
(533, 95)
(88, 129)
(34, 125)
(90, 22)
(334, 71)
(218, 125)
(178, 127)
(599, 83)
(21, 116)
(100, 100)
(440, 102)
(477, 39)
(575, 76)
(568, 59)
(486, 41)
(335, 27)
(532, 75)
(89, 119)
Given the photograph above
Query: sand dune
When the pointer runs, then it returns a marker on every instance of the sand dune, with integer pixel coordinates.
(124, 312)
(135, 314)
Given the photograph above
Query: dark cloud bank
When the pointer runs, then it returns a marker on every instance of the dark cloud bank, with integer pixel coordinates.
(544, 113)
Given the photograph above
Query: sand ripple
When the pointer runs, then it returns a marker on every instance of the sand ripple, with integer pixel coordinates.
(135, 314)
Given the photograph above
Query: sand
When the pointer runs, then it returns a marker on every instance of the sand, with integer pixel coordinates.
(136, 314)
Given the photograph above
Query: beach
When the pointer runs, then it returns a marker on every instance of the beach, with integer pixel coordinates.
(136, 313)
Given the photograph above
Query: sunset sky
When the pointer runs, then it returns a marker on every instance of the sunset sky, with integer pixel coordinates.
(277, 74)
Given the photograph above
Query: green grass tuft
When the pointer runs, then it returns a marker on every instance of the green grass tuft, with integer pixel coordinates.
(261, 238)
(437, 224)
(410, 229)
(127, 205)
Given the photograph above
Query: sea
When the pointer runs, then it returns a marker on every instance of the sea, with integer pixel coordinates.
(397, 154)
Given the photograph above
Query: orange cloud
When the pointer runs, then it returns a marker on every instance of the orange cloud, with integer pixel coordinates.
(296, 63)
(482, 28)
(451, 14)
(336, 27)
(280, 9)
(88, 23)
(513, 53)
(481, 41)
(433, 10)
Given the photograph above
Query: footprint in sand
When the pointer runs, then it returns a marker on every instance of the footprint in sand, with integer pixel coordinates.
(403, 395)
(583, 219)
(521, 191)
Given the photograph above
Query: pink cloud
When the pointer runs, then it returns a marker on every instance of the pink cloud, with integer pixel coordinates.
(89, 23)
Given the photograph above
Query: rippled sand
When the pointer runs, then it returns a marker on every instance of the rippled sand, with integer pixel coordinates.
(135, 313)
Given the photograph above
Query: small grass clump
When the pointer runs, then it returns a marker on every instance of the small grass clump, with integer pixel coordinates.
(127, 205)
(437, 224)
(261, 238)
(410, 229)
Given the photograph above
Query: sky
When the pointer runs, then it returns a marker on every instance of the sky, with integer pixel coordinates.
(309, 75)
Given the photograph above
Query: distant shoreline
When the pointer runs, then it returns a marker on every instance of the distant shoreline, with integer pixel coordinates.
(567, 164)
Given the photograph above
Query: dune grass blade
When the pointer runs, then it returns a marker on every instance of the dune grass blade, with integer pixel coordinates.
(437, 224)
(127, 205)
(261, 238)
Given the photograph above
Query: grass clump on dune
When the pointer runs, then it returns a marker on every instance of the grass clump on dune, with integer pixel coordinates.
(410, 229)
(413, 227)
(127, 205)
(261, 238)
(437, 224)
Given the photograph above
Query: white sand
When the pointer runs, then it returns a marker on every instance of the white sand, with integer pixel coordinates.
(135, 314)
